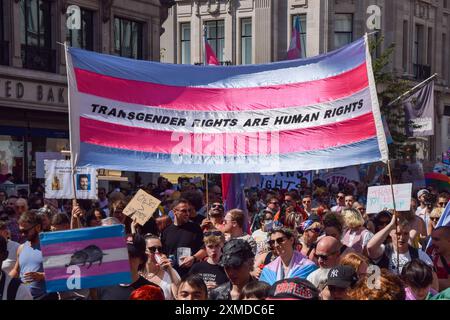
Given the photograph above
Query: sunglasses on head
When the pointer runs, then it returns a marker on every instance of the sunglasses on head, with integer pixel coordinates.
(213, 233)
(153, 249)
(278, 240)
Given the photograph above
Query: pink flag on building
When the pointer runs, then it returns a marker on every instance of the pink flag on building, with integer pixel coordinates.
(295, 48)
(210, 56)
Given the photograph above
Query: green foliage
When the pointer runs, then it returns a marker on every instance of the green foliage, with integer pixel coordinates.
(389, 88)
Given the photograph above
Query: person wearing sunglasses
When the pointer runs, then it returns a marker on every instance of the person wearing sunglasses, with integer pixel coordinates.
(159, 269)
(212, 273)
(340, 202)
(434, 218)
(233, 227)
(261, 235)
(440, 238)
(29, 265)
(307, 204)
(215, 217)
(290, 263)
(311, 231)
(442, 200)
(183, 234)
(356, 235)
(327, 254)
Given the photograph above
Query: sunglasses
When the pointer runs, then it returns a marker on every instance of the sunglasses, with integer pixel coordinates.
(153, 249)
(26, 231)
(183, 211)
(278, 240)
(434, 219)
(324, 257)
(316, 230)
(305, 202)
(442, 204)
(218, 206)
(213, 233)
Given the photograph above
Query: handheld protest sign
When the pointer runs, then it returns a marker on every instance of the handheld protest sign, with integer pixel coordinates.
(85, 258)
(379, 198)
(141, 207)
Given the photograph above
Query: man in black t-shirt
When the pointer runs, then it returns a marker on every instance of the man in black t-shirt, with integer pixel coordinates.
(212, 273)
(183, 235)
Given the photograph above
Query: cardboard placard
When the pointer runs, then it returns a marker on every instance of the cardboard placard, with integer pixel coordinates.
(141, 207)
(380, 198)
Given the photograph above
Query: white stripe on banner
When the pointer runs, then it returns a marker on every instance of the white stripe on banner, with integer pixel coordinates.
(63, 259)
(123, 113)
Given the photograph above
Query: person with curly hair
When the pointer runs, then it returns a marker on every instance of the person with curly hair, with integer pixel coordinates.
(389, 287)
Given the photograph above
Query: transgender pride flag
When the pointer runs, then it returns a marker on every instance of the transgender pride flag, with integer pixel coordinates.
(85, 258)
(296, 115)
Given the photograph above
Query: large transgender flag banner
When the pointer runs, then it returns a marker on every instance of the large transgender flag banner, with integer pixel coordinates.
(85, 258)
(307, 114)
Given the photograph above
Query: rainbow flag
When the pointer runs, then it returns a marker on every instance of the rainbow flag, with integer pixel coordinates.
(438, 180)
(295, 115)
(85, 258)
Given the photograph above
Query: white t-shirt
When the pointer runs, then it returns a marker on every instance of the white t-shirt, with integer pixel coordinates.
(165, 285)
(23, 293)
(9, 263)
(404, 258)
(319, 277)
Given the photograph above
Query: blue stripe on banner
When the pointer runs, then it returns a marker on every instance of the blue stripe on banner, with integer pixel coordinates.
(319, 67)
(90, 282)
(47, 238)
(129, 160)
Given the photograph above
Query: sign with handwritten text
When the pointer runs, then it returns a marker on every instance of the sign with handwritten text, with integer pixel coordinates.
(141, 207)
(380, 198)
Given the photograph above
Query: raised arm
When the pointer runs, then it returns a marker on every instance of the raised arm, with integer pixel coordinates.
(374, 248)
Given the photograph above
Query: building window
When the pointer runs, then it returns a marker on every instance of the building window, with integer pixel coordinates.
(185, 31)
(84, 37)
(343, 29)
(4, 45)
(430, 46)
(421, 71)
(246, 41)
(405, 46)
(215, 35)
(302, 18)
(127, 38)
(36, 36)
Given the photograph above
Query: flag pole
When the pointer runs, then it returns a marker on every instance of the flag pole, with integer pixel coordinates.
(204, 45)
(411, 90)
(207, 194)
(395, 210)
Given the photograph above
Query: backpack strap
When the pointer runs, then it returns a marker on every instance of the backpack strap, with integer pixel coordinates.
(268, 258)
(12, 289)
(413, 252)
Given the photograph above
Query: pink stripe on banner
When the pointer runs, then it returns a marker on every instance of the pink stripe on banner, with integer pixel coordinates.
(71, 247)
(229, 99)
(289, 141)
(94, 270)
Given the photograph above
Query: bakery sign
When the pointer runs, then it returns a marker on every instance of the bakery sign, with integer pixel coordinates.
(33, 92)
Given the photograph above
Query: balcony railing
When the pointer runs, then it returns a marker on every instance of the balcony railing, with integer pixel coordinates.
(4, 53)
(421, 72)
(36, 58)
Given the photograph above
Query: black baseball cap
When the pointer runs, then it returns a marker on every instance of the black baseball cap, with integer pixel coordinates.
(342, 276)
(235, 253)
(293, 289)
